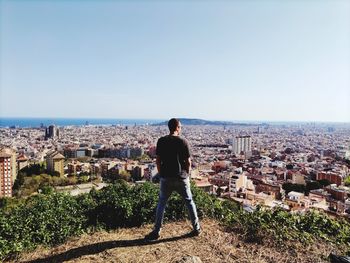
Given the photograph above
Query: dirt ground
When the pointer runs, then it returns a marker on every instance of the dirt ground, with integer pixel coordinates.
(213, 245)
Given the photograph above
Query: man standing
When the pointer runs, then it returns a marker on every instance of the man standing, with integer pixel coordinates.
(173, 164)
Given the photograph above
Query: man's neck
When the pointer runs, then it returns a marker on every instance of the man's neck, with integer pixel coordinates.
(174, 134)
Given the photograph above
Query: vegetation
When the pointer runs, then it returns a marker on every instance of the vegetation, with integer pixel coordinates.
(143, 158)
(33, 180)
(117, 176)
(34, 169)
(347, 181)
(288, 187)
(49, 219)
(27, 185)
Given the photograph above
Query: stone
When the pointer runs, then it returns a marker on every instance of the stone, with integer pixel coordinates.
(189, 259)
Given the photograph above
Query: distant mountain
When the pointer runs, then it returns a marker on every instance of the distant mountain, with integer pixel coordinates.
(187, 121)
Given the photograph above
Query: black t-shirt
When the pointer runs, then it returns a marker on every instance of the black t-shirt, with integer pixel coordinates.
(173, 152)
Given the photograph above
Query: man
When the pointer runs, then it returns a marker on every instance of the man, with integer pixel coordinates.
(173, 164)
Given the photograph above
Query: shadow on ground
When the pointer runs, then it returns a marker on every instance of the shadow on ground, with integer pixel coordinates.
(102, 246)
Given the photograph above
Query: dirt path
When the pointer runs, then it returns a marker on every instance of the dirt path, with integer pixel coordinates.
(127, 245)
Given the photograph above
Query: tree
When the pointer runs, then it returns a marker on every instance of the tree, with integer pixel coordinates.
(218, 192)
(347, 181)
(34, 169)
(47, 190)
(125, 175)
(288, 187)
(143, 157)
(83, 179)
(289, 166)
(312, 186)
(19, 181)
(324, 182)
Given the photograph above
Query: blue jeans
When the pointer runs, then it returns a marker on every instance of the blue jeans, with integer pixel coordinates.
(182, 186)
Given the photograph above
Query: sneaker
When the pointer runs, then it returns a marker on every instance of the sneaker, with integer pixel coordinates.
(195, 232)
(152, 236)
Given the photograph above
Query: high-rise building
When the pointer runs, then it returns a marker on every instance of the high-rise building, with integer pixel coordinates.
(51, 132)
(8, 171)
(242, 143)
(55, 162)
(347, 152)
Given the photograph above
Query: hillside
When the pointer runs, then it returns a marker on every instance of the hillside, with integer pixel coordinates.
(214, 245)
(187, 121)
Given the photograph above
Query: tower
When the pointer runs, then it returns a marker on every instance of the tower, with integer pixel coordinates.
(51, 132)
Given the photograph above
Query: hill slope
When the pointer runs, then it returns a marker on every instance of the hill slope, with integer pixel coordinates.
(187, 121)
(213, 245)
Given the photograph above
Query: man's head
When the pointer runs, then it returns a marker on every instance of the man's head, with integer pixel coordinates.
(174, 125)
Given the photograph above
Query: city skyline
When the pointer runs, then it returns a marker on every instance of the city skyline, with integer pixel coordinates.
(250, 61)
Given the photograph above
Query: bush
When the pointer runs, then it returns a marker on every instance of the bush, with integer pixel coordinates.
(51, 219)
(42, 219)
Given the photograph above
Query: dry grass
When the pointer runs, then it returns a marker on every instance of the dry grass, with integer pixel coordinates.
(213, 245)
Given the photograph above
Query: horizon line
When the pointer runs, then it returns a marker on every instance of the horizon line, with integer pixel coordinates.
(164, 119)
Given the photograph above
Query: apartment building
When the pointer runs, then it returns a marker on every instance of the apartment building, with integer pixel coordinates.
(55, 162)
(8, 171)
(334, 178)
(242, 144)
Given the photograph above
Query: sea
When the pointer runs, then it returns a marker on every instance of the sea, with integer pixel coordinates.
(15, 122)
(43, 122)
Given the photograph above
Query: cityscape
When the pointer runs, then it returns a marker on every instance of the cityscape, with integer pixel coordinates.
(261, 89)
(297, 167)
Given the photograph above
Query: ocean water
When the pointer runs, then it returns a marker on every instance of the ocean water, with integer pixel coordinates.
(37, 122)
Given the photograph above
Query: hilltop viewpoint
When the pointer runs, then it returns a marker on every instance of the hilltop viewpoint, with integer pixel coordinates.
(215, 244)
(109, 225)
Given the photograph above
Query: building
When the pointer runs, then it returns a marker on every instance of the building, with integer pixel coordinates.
(204, 184)
(273, 190)
(70, 152)
(137, 173)
(7, 171)
(106, 168)
(22, 162)
(81, 152)
(55, 162)
(240, 183)
(74, 167)
(51, 132)
(337, 193)
(298, 178)
(242, 144)
(334, 178)
(13, 161)
(296, 200)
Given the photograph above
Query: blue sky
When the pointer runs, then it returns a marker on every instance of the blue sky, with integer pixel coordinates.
(218, 60)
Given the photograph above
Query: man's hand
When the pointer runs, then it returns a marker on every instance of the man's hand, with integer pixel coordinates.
(158, 163)
(188, 165)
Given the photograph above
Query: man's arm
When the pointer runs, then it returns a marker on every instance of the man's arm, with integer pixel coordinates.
(158, 163)
(188, 165)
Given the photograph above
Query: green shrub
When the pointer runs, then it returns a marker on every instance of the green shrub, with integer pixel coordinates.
(113, 206)
(145, 198)
(42, 219)
(51, 219)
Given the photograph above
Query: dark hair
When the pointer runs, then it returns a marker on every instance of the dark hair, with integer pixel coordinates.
(172, 124)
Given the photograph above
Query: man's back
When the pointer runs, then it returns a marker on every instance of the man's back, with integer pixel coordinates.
(173, 152)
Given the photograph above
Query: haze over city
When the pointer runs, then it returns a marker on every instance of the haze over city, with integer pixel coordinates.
(216, 60)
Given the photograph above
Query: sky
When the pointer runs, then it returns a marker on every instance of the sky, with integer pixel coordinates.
(215, 60)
